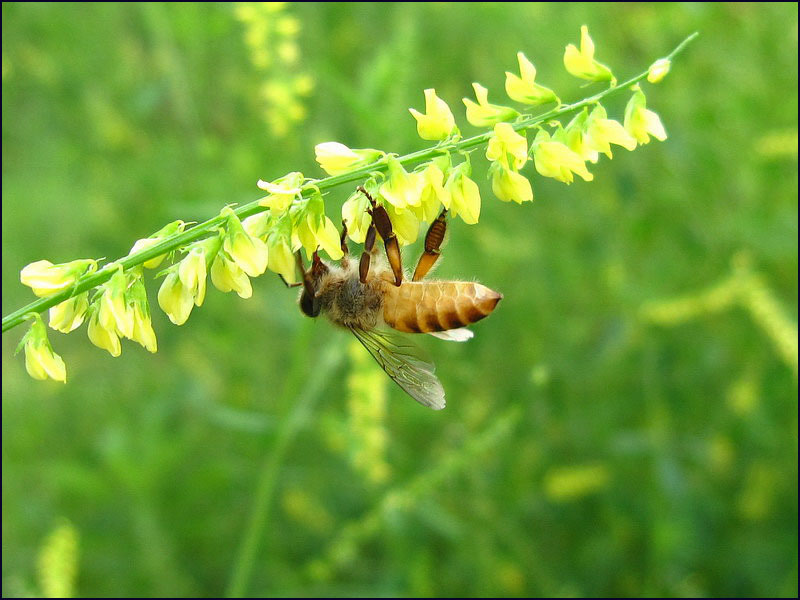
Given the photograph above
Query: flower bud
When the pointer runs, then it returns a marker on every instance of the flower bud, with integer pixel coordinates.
(101, 337)
(40, 360)
(174, 298)
(506, 141)
(114, 312)
(509, 185)
(402, 188)
(640, 122)
(601, 132)
(281, 258)
(465, 197)
(581, 63)
(171, 229)
(336, 158)
(524, 89)
(282, 191)
(249, 252)
(484, 114)
(658, 70)
(192, 273)
(227, 276)
(69, 315)
(356, 217)
(555, 159)
(46, 279)
(143, 333)
(438, 122)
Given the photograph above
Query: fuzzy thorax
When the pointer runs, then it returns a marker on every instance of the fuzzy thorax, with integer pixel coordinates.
(348, 302)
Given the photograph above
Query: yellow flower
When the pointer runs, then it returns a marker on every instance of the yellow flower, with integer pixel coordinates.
(601, 132)
(507, 141)
(114, 312)
(192, 273)
(100, 336)
(509, 185)
(523, 88)
(45, 278)
(465, 197)
(40, 360)
(281, 258)
(313, 229)
(41, 363)
(402, 189)
(143, 333)
(174, 299)
(576, 139)
(640, 122)
(336, 158)
(257, 225)
(555, 159)
(144, 243)
(582, 63)
(227, 276)
(356, 217)
(404, 223)
(69, 315)
(282, 191)
(433, 194)
(319, 231)
(658, 70)
(484, 114)
(437, 123)
(249, 252)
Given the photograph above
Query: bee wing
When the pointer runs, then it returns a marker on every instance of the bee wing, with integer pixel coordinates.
(462, 334)
(405, 363)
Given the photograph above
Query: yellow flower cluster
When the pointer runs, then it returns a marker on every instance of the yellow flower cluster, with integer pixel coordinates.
(414, 190)
(270, 34)
(414, 197)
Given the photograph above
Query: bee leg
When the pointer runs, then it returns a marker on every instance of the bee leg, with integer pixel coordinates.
(369, 243)
(318, 268)
(343, 243)
(381, 221)
(289, 285)
(308, 282)
(433, 240)
(309, 303)
(343, 238)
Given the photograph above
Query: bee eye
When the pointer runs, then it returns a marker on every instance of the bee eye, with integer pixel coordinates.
(309, 306)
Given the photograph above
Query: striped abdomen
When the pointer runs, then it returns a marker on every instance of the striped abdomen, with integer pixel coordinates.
(425, 306)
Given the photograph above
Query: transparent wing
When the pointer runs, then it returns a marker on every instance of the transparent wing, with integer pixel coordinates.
(405, 363)
(462, 334)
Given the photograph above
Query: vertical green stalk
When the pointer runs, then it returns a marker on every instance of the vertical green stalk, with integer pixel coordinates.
(301, 398)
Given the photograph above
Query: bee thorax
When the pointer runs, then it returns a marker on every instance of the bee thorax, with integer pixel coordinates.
(346, 301)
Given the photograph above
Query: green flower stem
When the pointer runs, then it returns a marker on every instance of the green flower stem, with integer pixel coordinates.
(172, 243)
(300, 392)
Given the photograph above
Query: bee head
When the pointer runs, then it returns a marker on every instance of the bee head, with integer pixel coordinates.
(309, 304)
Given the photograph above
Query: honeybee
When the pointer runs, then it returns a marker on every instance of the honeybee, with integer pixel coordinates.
(362, 296)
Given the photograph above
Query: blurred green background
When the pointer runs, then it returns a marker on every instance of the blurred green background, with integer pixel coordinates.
(624, 424)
